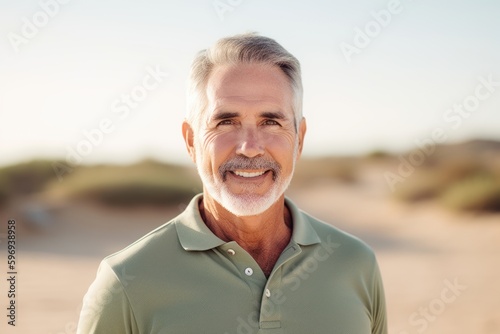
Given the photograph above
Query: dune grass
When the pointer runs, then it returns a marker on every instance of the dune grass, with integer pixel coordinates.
(24, 178)
(477, 192)
(459, 183)
(145, 183)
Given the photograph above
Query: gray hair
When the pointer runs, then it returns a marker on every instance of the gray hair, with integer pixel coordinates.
(238, 49)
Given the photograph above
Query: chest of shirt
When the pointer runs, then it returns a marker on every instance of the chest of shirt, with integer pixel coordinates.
(217, 292)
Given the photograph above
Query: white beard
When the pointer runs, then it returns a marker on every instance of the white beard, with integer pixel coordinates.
(248, 203)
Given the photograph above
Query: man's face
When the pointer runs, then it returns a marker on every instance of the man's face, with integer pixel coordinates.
(246, 144)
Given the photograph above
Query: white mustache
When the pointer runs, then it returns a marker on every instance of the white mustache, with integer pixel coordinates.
(241, 162)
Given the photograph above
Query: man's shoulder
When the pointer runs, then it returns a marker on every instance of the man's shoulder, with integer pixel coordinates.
(343, 242)
(160, 242)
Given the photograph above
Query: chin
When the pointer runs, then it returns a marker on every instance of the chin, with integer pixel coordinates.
(247, 204)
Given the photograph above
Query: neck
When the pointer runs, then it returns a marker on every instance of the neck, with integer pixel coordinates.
(263, 236)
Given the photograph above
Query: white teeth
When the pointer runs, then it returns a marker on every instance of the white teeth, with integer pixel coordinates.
(246, 174)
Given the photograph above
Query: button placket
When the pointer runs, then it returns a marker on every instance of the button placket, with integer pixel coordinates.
(270, 312)
(246, 266)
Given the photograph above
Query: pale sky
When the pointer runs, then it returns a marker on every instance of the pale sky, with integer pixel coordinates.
(378, 75)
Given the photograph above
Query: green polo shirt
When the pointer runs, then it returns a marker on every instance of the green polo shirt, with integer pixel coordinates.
(181, 278)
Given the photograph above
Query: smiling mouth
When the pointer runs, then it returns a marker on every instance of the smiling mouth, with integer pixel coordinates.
(249, 174)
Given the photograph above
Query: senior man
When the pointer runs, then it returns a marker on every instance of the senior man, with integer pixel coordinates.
(241, 258)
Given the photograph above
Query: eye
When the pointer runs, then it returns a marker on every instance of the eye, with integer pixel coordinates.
(225, 122)
(270, 122)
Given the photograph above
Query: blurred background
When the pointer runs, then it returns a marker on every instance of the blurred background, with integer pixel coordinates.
(402, 100)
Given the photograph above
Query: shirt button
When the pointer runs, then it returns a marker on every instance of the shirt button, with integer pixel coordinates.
(231, 251)
(268, 293)
(249, 271)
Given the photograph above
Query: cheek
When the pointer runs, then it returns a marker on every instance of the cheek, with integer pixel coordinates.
(282, 149)
(284, 144)
(218, 143)
(215, 148)
(213, 143)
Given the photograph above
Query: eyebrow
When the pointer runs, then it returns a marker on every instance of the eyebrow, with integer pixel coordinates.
(273, 115)
(222, 115)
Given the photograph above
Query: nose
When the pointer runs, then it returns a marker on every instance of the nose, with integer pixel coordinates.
(250, 144)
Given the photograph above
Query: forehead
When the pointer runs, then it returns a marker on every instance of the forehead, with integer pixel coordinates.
(249, 85)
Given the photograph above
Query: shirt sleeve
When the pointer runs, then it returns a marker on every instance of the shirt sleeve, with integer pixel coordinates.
(106, 308)
(379, 315)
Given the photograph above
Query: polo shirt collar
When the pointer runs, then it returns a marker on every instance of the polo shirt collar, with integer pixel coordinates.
(194, 235)
(303, 233)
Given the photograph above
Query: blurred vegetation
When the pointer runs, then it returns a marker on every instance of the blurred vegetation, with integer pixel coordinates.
(477, 192)
(378, 154)
(310, 171)
(25, 178)
(148, 182)
(463, 177)
(431, 179)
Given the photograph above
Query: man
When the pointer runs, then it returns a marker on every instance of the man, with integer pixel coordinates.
(241, 258)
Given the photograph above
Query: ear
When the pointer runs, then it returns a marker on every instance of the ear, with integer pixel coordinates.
(188, 134)
(301, 133)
